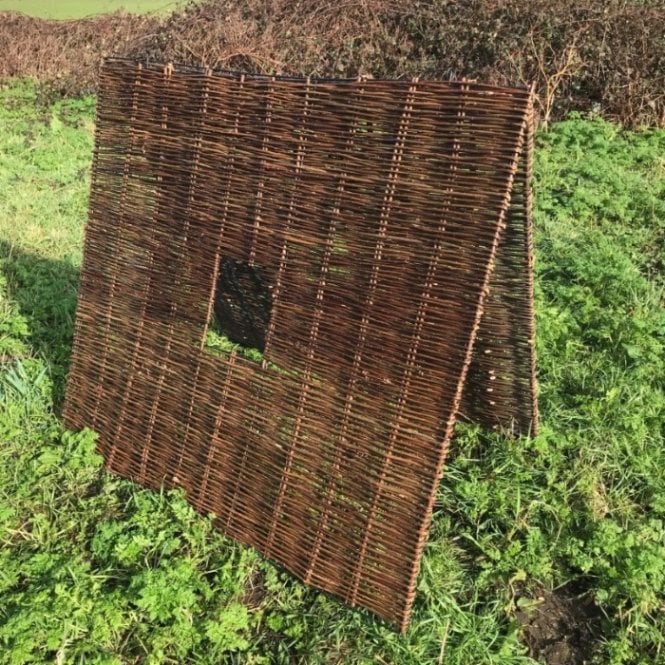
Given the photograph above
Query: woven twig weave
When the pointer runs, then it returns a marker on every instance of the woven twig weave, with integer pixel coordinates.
(375, 233)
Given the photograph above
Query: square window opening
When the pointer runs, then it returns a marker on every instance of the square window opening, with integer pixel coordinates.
(241, 310)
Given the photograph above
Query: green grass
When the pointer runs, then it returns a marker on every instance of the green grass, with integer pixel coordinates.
(95, 570)
(218, 344)
(65, 9)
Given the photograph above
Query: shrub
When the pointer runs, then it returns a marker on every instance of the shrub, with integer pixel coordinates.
(595, 55)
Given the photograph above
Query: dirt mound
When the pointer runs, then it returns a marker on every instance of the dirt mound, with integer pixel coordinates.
(592, 55)
(560, 627)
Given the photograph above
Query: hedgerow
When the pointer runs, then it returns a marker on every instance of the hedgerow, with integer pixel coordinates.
(94, 569)
(606, 56)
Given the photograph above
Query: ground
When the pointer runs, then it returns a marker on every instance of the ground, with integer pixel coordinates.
(560, 627)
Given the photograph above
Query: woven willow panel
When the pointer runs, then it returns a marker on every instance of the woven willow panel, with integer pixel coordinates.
(371, 239)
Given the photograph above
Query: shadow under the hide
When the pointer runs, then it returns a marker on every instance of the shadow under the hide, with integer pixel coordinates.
(45, 291)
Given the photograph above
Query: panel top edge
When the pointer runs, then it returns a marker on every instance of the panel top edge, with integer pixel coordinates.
(114, 63)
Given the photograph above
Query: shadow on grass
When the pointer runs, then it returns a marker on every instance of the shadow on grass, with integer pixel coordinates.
(45, 291)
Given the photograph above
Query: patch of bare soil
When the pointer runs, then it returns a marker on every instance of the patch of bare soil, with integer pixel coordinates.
(255, 590)
(560, 627)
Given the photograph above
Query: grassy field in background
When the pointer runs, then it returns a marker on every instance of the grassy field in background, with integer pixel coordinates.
(94, 569)
(64, 9)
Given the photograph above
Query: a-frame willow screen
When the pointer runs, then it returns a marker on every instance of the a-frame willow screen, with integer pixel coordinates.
(291, 288)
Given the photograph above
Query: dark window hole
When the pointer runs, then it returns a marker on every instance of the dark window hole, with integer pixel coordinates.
(241, 311)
